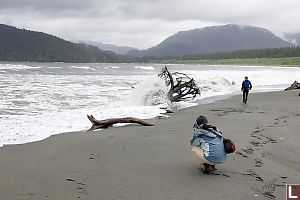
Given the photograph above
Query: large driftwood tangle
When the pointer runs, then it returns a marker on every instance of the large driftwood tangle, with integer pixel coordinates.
(98, 124)
(183, 87)
(294, 86)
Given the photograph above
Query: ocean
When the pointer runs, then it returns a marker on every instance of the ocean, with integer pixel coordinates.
(42, 99)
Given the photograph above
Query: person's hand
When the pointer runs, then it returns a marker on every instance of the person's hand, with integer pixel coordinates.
(196, 126)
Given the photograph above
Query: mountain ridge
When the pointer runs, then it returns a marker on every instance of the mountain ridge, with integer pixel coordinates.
(26, 45)
(212, 39)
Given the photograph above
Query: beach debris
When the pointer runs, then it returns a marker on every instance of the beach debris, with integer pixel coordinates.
(294, 86)
(181, 86)
(169, 109)
(161, 117)
(101, 124)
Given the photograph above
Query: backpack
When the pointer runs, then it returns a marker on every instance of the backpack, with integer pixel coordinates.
(246, 84)
(229, 146)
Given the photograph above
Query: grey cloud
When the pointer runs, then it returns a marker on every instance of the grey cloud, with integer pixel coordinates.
(46, 4)
(143, 23)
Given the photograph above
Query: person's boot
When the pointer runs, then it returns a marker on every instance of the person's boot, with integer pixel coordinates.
(205, 170)
(208, 168)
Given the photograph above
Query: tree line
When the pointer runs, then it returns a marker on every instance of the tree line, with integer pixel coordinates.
(293, 51)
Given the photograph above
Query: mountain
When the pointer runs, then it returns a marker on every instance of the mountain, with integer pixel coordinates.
(212, 39)
(121, 50)
(294, 38)
(24, 45)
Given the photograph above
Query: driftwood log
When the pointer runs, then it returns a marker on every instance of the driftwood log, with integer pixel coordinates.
(294, 86)
(101, 124)
(182, 87)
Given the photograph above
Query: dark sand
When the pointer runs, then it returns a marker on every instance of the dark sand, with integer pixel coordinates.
(153, 163)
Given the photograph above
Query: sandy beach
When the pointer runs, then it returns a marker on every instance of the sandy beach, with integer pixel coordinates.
(147, 163)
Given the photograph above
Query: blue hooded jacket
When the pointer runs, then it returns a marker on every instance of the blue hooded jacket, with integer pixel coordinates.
(212, 145)
(246, 84)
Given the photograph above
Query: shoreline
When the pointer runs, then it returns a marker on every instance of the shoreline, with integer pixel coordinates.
(206, 100)
(137, 162)
(164, 63)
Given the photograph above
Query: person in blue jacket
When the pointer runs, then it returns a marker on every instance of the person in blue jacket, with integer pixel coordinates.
(246, 86)
(207, 144)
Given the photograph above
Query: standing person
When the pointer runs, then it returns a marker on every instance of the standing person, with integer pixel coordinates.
(207, 145)
(246, 86)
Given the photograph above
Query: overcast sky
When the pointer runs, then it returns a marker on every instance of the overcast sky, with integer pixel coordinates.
(145, 23)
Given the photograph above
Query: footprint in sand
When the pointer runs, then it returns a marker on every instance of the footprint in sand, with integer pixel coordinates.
(256, 143)
(241, 154)
(253, 174)
(94, 156)
(248, 150)
(81, 187)
(258, 162)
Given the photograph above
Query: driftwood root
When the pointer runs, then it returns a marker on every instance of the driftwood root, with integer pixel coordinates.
(294, 86)
(181, 86)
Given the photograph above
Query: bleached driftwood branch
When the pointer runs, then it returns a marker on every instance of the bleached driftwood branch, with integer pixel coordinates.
(98, 124)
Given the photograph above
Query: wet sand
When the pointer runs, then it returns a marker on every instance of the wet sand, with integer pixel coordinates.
(136, 162)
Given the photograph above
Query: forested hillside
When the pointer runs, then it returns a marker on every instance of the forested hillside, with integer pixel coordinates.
(24, 45)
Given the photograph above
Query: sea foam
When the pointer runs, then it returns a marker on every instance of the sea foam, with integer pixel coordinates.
(51, 98)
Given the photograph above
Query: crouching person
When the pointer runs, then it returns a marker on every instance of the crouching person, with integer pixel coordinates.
(207, 145)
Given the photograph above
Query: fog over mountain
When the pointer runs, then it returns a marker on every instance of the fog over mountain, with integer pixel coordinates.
(211, 39)
(293, 38)
(122, 50)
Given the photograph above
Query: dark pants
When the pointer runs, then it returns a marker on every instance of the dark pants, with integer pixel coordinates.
(245, 94)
